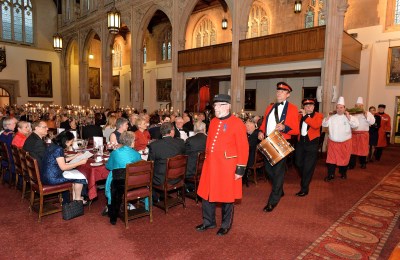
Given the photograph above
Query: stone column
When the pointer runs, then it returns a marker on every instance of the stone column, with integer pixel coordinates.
(178, 92)
(106, 80)
(238, 77)
(331, 66)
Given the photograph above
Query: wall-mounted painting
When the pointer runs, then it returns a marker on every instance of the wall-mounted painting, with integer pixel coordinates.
(250, 99)
(94, 83)
(164, 87)
(39, 79)
(393, 67)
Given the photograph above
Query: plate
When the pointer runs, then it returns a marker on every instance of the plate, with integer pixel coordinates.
(96, 164)
(106, 158)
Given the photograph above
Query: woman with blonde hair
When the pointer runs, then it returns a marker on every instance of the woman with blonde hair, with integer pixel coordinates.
(109, 127)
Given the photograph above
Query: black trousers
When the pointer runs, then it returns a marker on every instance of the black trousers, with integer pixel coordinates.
(306, 160)
(332, 169)
(117, 191)
(209, 214)
(276, 174)
(378, 153)
(353, 160)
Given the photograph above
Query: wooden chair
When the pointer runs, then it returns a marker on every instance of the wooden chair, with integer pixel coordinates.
(5, 163)
(201, 156)
(43, 190)
(17, 163)
(138, 185)
(174, 181)
(25, 175)
(259, 162)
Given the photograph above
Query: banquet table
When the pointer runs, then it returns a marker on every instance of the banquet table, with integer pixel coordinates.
(93, 174)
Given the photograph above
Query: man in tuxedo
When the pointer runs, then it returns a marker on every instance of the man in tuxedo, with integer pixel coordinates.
(162, 149)
(91, 130)
(283, 117)
(179, 131)
(307, 145)
(35, 144)
(194, 145)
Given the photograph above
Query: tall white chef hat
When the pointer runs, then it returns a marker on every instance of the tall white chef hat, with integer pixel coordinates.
(340, 101)
(360, 101)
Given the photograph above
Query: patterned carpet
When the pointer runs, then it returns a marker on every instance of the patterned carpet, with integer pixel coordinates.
(362, 231)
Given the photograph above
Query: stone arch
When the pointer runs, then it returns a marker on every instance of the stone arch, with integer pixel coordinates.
(204, 21)
(66, 75)
(184, 20)
(12, 87)
(85, 48)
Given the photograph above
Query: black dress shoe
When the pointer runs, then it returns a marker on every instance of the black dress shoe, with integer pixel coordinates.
(203, 227)
(301, 194)
(283, 194)
(269, 208)
(222, 231)
(363, 166)
(329, 178)
(344, 176)
(113, 222)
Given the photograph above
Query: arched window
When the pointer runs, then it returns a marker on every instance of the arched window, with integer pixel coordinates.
(17, 21)
(205, 33)
(144, 53)
(309, 21)
(117, 57)
(397, 13)
(166, 45)
(314, 15)
(258, 22)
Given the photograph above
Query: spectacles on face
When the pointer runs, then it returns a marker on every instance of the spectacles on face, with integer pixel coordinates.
(43, 126)
(220, 105)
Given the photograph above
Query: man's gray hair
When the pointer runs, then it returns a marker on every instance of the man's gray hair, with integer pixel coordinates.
(120, 122)
(127, 138)
(7, 121)
(199, 127)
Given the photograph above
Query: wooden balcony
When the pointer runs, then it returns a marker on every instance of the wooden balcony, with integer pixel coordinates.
(300, 45)
(205, 58)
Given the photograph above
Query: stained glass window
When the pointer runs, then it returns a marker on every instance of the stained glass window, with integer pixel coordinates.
(17, 21)
(205, 34)
(258, 22)
(321, 19)
(397, 13)
(145, 54)
(309, 21)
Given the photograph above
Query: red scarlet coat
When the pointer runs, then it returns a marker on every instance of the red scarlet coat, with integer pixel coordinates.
(385, 127)
(226, 148)
(314, 123)
(290, 115)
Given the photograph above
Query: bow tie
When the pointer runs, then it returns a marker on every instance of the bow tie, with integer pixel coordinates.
(277, 104)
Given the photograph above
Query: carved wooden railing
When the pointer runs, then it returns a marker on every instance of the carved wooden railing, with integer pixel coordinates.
(205, 58)
(300, 45)
(297, 45)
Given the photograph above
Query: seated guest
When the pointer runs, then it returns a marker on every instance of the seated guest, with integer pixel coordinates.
(65, 122)
(252, 138)
(194, 145)
(54, 164)
(6, 137)
(160, 150)
(132, 122)
(115, 184)
(90, 130)
(142, 136)
(154, 128)
(109, 127)
(122, 126)
(50, 120)
(98, 119)
(24, 129)
(179, 131)
(187, 122)
(35, 144)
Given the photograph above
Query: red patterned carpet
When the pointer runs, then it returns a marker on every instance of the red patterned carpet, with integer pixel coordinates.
(357, 209)
(362, 232)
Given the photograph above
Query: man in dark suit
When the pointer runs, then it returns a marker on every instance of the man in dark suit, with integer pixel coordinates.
(91, 130)
(162, 149)
(179, 131)
(194, 145)
(35, 144)
(65, 122)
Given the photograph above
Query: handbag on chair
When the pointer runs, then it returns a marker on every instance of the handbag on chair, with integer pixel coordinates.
(72, 209)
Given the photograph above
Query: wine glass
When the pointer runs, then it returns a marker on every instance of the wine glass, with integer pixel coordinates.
(95, 149)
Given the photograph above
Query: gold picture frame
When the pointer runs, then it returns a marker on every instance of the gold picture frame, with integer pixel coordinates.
(94, 83)
(39, 79)
(393, 66)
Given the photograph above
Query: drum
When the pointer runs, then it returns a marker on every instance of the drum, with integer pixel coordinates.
(275, 147)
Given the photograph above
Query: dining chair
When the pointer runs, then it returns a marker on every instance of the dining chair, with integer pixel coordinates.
(25, 175)
(138, 186)
(259, 163)
(201, 156)
(44, 191)
(17, 165)
(5, 163)
(174, 182)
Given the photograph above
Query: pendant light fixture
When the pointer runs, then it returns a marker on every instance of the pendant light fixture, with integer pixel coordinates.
(297, 7)
(114, 20)
(57, 38)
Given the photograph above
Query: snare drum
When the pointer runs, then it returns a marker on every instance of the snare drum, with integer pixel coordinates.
(275, 147)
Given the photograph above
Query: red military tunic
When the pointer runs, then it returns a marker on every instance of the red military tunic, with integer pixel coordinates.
(226, 148)
(385, 127)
